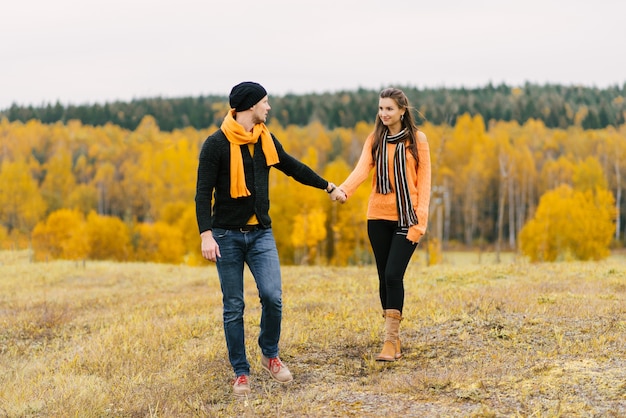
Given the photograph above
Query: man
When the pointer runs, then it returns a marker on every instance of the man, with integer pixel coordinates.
(234, 164)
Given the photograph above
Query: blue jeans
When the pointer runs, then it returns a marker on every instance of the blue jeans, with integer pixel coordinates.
(258, 250)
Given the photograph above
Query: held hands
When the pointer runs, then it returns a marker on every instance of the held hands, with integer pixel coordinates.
(336, 194)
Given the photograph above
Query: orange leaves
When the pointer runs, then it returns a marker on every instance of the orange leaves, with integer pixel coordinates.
(570, 224)
(483, 172)
(21, 204)
(67, 234)
(160, 243)
(60, 236)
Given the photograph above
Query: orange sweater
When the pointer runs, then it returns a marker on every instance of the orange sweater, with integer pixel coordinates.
(383, 206)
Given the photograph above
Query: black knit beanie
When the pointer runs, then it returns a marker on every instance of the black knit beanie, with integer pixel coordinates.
(245, 95)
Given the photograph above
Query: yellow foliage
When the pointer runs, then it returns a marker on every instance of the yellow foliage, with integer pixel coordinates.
(283, 208)
(108, 237)
(470, 155)
(172, 174)
(59, 180)
(159, 242)
(309, 228)
(294, 212)
(589, 175)
(581, 114)
(147, 175)
(570, 224)
(61, 236)
(67, 235)
(348, 221)
(21, 204)
(557, 172)
(172, 211)
(188, 225)
(16, 240)
(83, 198)
(83, 170)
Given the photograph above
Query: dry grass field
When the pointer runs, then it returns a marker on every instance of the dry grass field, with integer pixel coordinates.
(513, 339)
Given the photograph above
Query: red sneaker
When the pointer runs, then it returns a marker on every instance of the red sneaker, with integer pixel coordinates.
(277, 369)
(241, 387)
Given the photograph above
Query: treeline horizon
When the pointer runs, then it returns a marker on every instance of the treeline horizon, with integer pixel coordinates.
(83, 191)
(557, 106)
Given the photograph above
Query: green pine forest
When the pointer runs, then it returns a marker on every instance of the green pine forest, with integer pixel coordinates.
(557, 106)
(535, 169)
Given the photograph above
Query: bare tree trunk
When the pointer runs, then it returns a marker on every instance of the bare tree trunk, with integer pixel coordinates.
(447, 207)
(501, 200)
(102, 199)
(512, 209)
(526, 205)
(618, 199)
(469, 208)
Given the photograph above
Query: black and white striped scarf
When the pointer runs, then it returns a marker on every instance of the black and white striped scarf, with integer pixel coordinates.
(406, 214)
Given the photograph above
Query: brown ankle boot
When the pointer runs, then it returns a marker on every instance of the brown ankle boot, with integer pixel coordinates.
(398, 349)
(391, 347)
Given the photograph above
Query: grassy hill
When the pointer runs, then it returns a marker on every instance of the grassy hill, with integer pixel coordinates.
(135, 340)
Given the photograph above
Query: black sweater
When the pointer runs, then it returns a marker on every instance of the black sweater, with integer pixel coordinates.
(214, 175)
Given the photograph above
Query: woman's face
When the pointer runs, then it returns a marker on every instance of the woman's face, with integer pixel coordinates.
(390, 114)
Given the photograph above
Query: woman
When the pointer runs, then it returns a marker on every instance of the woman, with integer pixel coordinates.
(397, 212)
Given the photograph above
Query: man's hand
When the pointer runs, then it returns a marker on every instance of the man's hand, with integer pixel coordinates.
(210, 249)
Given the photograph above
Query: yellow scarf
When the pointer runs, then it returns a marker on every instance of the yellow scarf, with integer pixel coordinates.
(237, 135)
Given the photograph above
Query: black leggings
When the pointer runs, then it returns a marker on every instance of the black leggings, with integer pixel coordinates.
(392, 252)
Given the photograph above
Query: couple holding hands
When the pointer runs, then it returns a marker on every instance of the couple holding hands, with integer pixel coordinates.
(232, 209)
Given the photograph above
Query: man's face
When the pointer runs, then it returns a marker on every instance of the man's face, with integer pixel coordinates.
(260, 110)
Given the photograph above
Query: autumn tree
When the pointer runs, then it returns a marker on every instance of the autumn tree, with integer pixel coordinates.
(59, 181)
(187, 224)
(487, 179)
(21, 204)
(615, 168)
(307, 226)
(61, 235)
(349, 225)
(108, 237)
(470, 156)
(173, 173)
(83, 197)
(159, 242)
(347, 235)
(571, 223)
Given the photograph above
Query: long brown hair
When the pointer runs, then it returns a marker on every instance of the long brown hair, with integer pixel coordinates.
(408, 122)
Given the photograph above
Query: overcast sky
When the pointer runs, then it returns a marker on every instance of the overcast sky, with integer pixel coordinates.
(85, 52)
